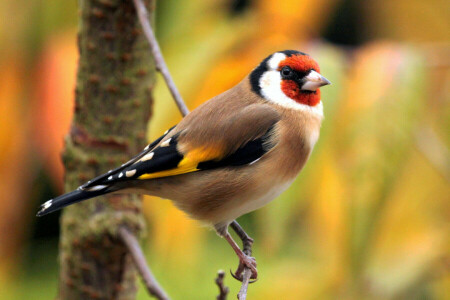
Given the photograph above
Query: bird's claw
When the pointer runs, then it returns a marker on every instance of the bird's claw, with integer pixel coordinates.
(246, 262)
(241, 278)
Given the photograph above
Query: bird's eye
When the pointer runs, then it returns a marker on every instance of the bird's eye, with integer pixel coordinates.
(286, 72)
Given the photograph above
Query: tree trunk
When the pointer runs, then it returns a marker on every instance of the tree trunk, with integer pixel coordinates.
(112, 107)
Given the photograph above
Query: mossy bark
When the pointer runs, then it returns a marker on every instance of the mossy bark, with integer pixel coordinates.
(112, 108)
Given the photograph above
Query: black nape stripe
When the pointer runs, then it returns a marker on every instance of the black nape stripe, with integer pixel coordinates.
(256, 74)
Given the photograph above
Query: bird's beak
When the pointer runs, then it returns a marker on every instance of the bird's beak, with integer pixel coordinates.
(314, 80)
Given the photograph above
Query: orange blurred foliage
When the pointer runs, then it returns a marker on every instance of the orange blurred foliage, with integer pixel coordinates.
(15, 161)
(53, 100)
(367, 217)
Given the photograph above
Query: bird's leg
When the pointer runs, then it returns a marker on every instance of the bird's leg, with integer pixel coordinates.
(245, 259)
(247, 241)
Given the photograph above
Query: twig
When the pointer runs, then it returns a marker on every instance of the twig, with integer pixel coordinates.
(247, 242)
(135, 250)
(242, 295)
(159, 60)
(223, 290)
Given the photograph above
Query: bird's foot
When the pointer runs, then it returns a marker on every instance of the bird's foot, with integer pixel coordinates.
(246, 261)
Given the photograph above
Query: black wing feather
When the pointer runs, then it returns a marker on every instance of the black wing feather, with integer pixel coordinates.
(168, 157)
(248, 153)
(103, 178)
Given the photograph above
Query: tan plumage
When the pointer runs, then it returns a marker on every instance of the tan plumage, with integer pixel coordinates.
(231, 155)
(221, 195)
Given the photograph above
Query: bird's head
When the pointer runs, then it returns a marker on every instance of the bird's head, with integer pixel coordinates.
(289, 78)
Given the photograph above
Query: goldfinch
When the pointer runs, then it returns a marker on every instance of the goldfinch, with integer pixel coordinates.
(233, 154)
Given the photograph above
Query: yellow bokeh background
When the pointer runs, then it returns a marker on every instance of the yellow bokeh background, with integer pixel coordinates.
(368, 217)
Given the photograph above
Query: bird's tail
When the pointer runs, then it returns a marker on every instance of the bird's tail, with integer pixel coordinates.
(70, 198)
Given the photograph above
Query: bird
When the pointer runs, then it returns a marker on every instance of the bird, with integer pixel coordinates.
(231, 155)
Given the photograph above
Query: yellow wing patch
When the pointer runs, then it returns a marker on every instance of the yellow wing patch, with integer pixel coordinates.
(204, 154)
(188, 164)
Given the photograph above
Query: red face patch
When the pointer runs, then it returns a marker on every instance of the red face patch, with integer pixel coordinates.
(300, 63)
(291, 89)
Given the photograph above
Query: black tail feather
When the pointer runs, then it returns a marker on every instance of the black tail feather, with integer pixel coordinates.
(100, 185)
(68, 199)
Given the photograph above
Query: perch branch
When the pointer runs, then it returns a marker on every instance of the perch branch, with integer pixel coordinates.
(223, 290)
(242, 295)
(247, 243)
(135, 250)
(159, 59)
(152, 285)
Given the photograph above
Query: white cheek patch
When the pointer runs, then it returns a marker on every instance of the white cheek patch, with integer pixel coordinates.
(275, 60)
(270, 84)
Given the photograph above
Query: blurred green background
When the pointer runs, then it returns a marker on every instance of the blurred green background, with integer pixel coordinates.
(368, 218)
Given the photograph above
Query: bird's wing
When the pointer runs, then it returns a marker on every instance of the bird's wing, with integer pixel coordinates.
(104, 177)
(240, 139)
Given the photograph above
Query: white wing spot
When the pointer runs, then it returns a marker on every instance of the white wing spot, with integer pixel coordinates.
(254, 161)
(146, 148)
(47, 204)
(120, 175)
(165, 143)
(167, 131)
(110, 177)
(130, 173)
(96, 188)
(147, 156)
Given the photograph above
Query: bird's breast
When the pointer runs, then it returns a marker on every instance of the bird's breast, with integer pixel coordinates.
(259, 198)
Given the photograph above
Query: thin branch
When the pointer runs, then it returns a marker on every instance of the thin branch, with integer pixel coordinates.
(242, 295)
(159, 59)
(247, 243)
(136, 252)
(223, 290)
(137, 255)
